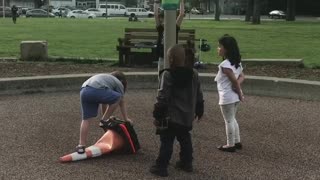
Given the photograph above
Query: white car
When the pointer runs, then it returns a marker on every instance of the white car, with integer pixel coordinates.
(80, 14)
(96, 12)
(63, 10)
(277, 14)
(139, 12)
(196, 11)
(114, 9)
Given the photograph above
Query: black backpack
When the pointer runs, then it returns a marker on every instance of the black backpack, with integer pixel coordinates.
(125, 129)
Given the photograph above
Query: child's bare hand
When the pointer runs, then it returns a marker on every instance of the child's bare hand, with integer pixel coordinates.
(241, 97)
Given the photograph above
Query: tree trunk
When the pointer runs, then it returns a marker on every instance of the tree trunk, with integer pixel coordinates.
(217, 11)
(291, 8)
(256, 12)
(249, 10)
(37, 3)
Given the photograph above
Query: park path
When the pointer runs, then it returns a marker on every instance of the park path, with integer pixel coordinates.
(280, 138)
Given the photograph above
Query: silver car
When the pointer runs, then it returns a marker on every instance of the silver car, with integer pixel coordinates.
(38, 13)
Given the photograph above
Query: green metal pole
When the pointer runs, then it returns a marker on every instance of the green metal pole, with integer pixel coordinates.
(169, 33)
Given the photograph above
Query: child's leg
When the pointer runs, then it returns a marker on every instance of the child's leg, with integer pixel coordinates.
(185, 147)
(89, 108)
(228, 114)
(84, 128)
(236, 125)
(166, 149)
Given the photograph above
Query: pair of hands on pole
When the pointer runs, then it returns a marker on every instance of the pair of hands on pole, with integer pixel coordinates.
(179, 18)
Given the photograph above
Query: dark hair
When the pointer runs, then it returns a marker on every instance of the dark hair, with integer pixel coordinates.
(120, 75)
(178, 55)
(190, 59)
(232, 50)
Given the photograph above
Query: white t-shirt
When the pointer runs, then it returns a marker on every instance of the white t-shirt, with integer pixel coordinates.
(226, 94)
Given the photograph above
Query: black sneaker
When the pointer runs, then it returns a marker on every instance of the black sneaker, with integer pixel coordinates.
(159, 171)
(80, 149)
(227, 149)
(238, 145)
(187, 167)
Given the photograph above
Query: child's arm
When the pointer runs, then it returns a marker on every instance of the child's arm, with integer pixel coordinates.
(181, 14)
(156, 12)
(240, 78)
(123, 110)
(199, 102)
(234, 82)
(164, 93)
(104, 108)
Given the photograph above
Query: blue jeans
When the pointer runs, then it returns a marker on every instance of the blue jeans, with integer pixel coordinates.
(91, 98)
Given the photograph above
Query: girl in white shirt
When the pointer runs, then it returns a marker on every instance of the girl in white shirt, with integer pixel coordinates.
(229, 79)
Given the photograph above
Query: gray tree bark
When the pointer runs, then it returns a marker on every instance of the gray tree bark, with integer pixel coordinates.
(217, 11)
(249, 10)
(256, 12)
(291, 10)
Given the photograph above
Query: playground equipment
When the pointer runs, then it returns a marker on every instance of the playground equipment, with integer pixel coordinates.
(170, 4)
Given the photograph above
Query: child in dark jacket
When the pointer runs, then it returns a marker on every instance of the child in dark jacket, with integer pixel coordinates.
(179, 102)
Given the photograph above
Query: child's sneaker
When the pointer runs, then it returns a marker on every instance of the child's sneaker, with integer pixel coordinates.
(187, 167)
(238, 145)
(80, 149)
(159, 171)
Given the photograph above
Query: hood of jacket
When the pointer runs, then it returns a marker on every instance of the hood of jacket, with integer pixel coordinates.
(181, 76)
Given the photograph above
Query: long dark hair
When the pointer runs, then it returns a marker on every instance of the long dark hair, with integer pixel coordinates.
(232, 50)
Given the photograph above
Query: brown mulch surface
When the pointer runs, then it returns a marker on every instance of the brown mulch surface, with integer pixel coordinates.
(22, 69)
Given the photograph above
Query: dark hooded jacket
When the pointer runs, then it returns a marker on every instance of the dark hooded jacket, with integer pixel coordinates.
(178, 95)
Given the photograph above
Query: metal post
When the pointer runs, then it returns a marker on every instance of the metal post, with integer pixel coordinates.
(106, 9)
(4, 9)
(169, 33)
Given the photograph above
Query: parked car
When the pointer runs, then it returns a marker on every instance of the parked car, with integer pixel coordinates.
(80, 14)
(63, 10)
(45, 7)
(39, 13)
(139, 12)
(97, 12)
(277, 14)
(22, 10)
(114, 9)
(7, 12)
(195, 10)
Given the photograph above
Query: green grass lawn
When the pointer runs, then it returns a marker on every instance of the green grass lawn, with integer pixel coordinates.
(98, 38)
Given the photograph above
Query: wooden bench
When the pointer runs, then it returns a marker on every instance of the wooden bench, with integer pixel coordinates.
(139, 45)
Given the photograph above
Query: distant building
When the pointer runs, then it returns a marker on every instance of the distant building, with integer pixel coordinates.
(23, 3)
(226, 6)
(59, 3)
